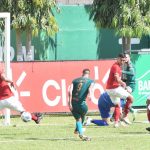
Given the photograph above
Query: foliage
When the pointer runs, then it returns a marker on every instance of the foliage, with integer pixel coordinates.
(131, 18)
(32, 14)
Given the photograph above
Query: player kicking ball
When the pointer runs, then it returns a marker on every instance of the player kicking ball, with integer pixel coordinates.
(9, 100)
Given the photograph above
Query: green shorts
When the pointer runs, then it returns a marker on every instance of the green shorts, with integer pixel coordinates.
(79, 110)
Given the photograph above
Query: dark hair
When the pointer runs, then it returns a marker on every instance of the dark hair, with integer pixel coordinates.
(86, 71)
(121, 55)
(127, 53)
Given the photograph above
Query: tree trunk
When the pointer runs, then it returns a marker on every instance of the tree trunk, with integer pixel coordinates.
(19, 45)
(126, 44)
(29, 56)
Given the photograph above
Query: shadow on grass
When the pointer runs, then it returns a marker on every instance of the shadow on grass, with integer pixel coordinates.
(14, 134)
(11, 135)
(54, 139)
(144, 132)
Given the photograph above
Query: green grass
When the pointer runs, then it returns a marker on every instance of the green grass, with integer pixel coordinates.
(56, 133)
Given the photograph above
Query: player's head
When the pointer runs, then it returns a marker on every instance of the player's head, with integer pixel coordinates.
(127, 56)
(86, 72)
(121, 59)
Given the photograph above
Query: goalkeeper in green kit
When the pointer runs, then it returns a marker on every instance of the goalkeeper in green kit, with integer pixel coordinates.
(78, 92)
(128, 76)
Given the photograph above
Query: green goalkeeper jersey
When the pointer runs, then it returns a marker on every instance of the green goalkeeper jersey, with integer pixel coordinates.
(128, 75)
(80, 89)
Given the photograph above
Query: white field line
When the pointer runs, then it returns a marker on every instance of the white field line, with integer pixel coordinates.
(42, 124)
(27, 124)
(55, 124)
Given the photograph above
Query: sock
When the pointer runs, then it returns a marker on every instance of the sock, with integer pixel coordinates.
(34, 117)
(131, 110)
(100, 122)
(111, 113)
(79, 127)
(117, 113)
(127, 106)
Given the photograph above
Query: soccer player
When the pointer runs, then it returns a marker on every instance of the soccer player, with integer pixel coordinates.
(128, 72)
(106, 109)
(79, 90)
(116, 89)
(8, 100)
(128, 76)
(148, 111)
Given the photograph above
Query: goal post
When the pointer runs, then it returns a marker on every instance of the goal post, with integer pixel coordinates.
(6, 17)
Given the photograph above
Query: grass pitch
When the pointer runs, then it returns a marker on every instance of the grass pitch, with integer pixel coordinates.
(56, 133)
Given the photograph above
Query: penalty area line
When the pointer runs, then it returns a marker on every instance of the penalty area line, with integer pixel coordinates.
(41, 124)
(146, 122)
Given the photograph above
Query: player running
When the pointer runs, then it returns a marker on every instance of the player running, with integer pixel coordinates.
(9, 100)
(78, 92)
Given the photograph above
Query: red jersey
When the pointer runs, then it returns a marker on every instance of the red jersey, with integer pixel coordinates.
(5, 91)
(112, 83)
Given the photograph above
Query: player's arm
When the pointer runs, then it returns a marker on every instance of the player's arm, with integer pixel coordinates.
(131, 70)
(4, 78)
(70, 96)
(118, 79)
(90, 92)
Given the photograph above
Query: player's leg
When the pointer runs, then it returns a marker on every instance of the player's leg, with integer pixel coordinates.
(130, 89)
(134, 112)
(148, 108)
(115, 98)
(76, 114)
(37, 117)
(117, 109)
(98, 122)
(79, 128)
(148, 111)
(83, 119)
(16, 105)
(122, 93)
(117, 115)
(83, 109)
(105, 107)
(127, 109)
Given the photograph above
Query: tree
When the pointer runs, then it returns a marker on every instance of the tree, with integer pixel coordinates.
(30, 16)
(130, 18)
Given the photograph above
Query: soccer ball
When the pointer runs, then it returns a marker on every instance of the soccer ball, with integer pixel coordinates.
(26, 116)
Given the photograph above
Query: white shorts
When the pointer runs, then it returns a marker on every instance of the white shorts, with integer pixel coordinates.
(129, 89)
(12, 103)
(117, 93)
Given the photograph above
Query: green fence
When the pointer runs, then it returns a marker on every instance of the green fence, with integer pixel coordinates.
(77, 39)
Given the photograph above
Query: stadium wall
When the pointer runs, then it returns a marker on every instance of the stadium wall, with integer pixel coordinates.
(77, 39)
(43, 86)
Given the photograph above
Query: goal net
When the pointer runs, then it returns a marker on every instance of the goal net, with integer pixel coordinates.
(5, 53)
